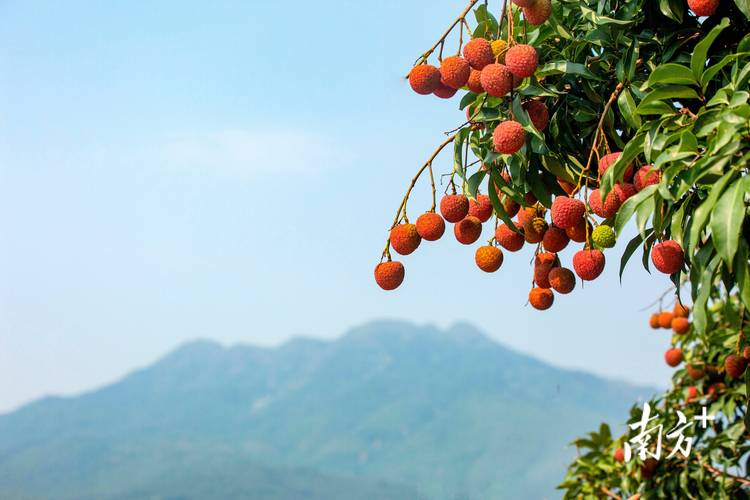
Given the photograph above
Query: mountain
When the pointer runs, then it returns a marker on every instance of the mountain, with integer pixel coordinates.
(389, 411)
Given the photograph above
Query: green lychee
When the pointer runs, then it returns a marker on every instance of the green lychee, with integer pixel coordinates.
(603, 236)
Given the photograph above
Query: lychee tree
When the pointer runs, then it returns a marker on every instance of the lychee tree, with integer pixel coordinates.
(584, 118)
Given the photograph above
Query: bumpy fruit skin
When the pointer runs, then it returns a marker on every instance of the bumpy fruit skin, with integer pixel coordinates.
(468, 230)
(511, 206)
(680, 325)
(588, 264)
(496, 80)
(681, 310)
(606, 209)
(603, 236)
(498, 49)
(668, 256)
(624, 191)
(455, 71)
(541, 298)
(389, 275)
(481, 208)
(538, 114)
(430, 226)
(665, 319)
(673, 356)
(525, 215)
(478, 52)
(424, 79)
(619, 455)
(555, 239)
(524, 3)
(522, 60)
(488, 258)
(562, 280)
(735, 365)
(577, 233)
(475, 81)
(405, 238)
(534, 229)
(653, 321)
(646, 176)
(694, 373)
(608, 160)
(444, 92)
(538, 12)
(703, 7)
(544, 262)
(509, 239)
(508, 137)
(454, 207)
(567, 212)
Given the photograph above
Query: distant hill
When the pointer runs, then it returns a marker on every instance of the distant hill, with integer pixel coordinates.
(389, 411)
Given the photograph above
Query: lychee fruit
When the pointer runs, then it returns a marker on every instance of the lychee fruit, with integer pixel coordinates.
(673, 356)
(481, 208)
(478, 52)
(475, 83)
(694, 372)
(511, 206)
(498, 49)
(703, 8)
(524, 3)
(715, 389)
(541, 298)
(562, 280)
(668, 256)
(588, 264)
(444, 92)
(543, 264)
(646, 176)
(555, 239)
(665, 319)
(405, 238)
(508, 137)
(389, 275)
(509, 239)
(430, 226)
(538, 12)
(538, 114)
(680, 325)
(534, 229)
(607, 208)
(454, 207)
(525, 215)
(608, 160)
(692, 393)
(424, 79)
(735, 365)
(603, 236)
(624, 191)
(522, 60)
(653, 321)
(577, 233)
(496, 80)
(488, 258)
(746, 353)
(567, 212)
(455, 71)
(619, 455)
(468, 230)
(530, 199)
(681, 310)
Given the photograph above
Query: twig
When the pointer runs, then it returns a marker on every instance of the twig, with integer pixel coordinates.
(610, 494)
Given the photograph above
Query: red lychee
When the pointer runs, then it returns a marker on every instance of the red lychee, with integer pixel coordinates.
(430, 226)
(567, 212)
(511, 206)
(673, 356)
(454, 207)
(703, 8)
(538, 114)
(588, 264)
(538, 12)
(496, 80)
(619, 455)
(481, 208)
(424, 79)
(562, 280)
(692, 393)
(668, 256)
(541, 298)
(694, 372)
(681, 310)
(508, 137)
(735, 365)
(522, 60)
(543, 264)
(665, 319)
(444, 92)
(680, 325)
(468, 230)
(389, 275)
(509, 239)
(555, 239)
(646, 176)
(534, 229)
(478, 52)
(715, 389)
(746, 353)
(524, 3)
(525, 215)
(455, 71)
(405, 238)
(608, 160)
(624, 191)
(577, 233)
(605, 209)
(488, 258)
(475, 83)
(653, 321)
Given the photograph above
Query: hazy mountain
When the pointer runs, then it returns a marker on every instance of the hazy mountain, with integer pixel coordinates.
(389, 411)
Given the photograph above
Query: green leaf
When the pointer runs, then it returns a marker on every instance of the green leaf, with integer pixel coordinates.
(673, 9)
(631, 248)
(744, 6)
(743, 274)
(626, 103)
(631, 205)
(698, 59)
(702, 213)
(671, 73)
(726, 221)
(567, 68)
(599, 20)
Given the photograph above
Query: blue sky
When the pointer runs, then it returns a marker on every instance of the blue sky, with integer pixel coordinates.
(228, 170)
